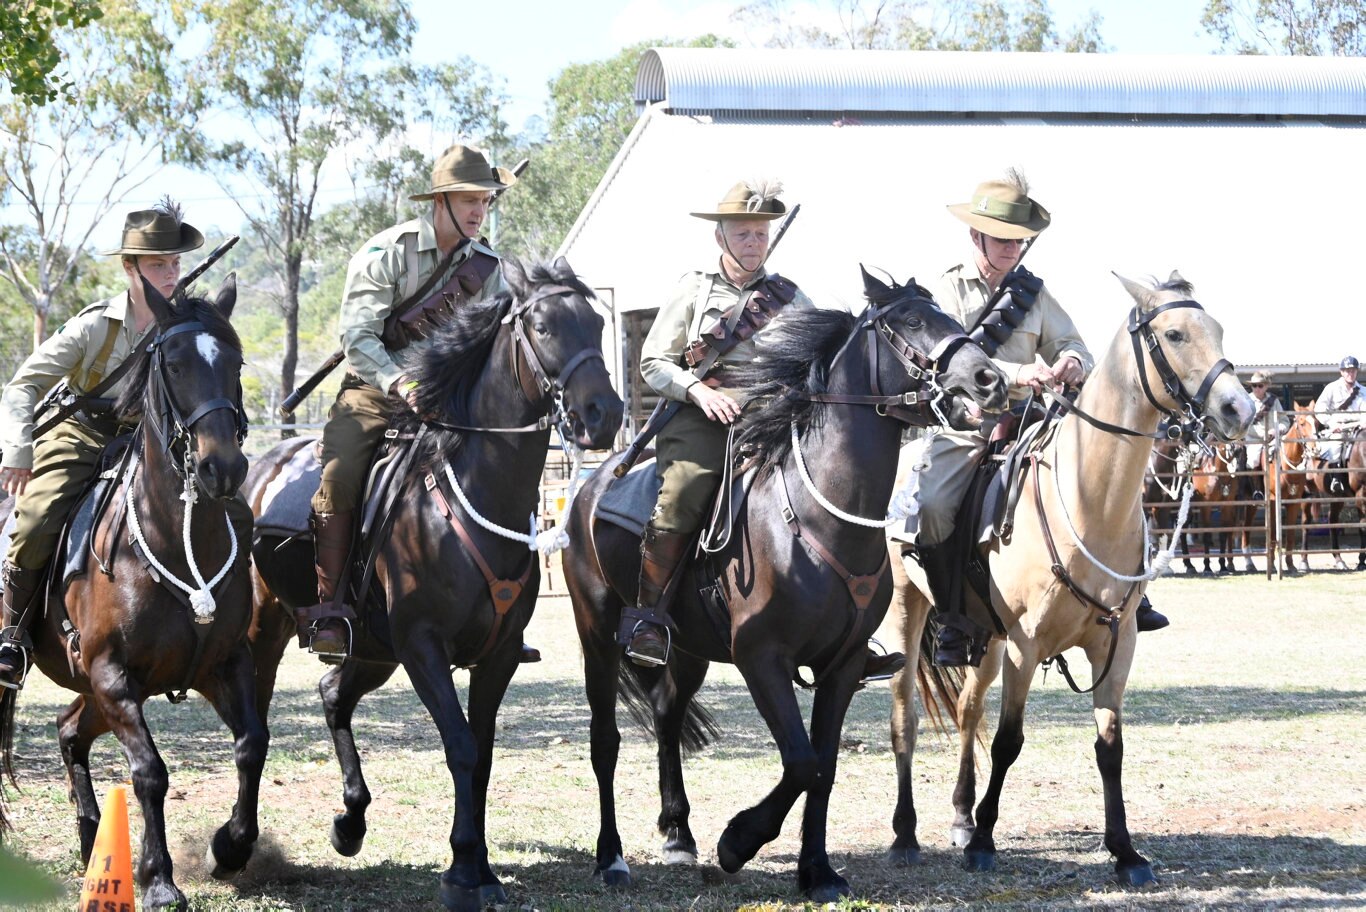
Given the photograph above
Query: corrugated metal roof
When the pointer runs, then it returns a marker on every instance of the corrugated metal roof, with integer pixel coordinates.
(706, 80)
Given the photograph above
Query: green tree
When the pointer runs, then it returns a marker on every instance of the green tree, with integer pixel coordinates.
(67, 165)
(1304, 27)
(30, 52)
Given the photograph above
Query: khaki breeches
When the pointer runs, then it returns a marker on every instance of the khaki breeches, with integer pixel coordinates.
(355, 426)
(65, 459)
(690, 454)
(953, 458)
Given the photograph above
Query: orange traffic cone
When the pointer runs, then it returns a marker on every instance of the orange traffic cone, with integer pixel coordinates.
(108, 885)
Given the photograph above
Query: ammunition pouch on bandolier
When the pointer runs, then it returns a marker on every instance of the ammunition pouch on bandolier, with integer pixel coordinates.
(411, 321)
(996, 325)
(770, 296)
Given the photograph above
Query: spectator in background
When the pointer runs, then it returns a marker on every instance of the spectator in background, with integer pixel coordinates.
(1338, 409)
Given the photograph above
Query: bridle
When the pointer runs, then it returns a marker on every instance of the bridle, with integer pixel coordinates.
(173, 428)
(920, 406)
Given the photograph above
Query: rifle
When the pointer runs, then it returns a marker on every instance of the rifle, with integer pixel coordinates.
(665, 409)
(304, 389)
(189, 277)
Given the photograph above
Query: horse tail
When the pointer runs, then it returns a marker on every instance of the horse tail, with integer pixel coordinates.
(646, 690)
(9, 699)
(939, 687)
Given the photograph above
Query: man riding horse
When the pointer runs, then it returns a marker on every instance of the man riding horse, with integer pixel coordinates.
(49, 475)
(707, 327)
(1035, 344)
(439, 251)
(1270, 415)
(1346, 399)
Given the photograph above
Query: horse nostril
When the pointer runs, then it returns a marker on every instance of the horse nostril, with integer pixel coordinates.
(985, 378)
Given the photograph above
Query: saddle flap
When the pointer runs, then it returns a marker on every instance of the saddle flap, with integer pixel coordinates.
(77, 537)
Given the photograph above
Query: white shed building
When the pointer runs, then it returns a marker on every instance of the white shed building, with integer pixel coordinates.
(1241, 172)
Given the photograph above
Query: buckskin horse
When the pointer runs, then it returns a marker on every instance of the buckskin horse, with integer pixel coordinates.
(1071, 572)
(802, 580)
(149, 622)
(458, 585)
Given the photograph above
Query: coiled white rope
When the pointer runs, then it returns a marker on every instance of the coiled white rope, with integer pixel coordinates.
(547, 542)
(1159, 562)
(899, 502)
(201, 594)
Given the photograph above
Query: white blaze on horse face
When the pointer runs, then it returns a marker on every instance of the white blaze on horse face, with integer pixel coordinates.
(208, 348)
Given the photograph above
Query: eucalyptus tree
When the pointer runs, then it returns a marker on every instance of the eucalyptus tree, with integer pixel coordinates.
(1303, 27)
(30, 51)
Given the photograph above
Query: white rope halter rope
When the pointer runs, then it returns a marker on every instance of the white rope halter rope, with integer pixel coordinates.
(899, 502)
(549, 541)
(201, 598)
(1159, 562)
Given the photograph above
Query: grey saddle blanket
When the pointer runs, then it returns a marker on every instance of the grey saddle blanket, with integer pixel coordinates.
(288, 498)
(628, 502)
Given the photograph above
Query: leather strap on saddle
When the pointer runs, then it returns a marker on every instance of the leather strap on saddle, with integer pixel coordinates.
(504, 592)
(755, 311)
(409, 322)
(995, 326)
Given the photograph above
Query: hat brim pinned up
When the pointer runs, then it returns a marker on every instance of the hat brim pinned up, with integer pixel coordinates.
(1000, 228)
(505, 179)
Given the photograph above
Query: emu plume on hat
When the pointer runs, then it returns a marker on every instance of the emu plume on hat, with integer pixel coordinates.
(751, 199)
(159, 231)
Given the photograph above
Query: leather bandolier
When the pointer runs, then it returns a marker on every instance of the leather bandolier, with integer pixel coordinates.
(730, 329)
(413, 320)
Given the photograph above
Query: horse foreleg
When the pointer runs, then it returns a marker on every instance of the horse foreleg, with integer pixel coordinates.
(672, 703)
(341, 689)
(601, 665)
(462, 884)
(117, 701)
(1108, 702)
(769, 677)
(980, 853)
(972, 705)
(272, 627)
(488, 684)
(77, 728)
(234, 699)
(913, 608)
(815, 876)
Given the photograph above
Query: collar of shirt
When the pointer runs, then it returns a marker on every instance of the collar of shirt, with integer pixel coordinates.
(720, 273)
(118, 306)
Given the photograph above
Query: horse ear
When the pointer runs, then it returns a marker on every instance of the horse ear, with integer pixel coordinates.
(515, 277)
(872, 286)
(226, 299)
(161, 308)
(562, 271)
(1142, 294)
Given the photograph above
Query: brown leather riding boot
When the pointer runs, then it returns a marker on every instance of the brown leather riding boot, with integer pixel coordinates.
(661, 554)
(20, 588)
(331, 631)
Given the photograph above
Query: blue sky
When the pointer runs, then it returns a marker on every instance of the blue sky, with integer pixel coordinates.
(529, 41)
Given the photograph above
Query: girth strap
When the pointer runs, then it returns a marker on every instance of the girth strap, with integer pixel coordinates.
(861, 588)
(504, 592)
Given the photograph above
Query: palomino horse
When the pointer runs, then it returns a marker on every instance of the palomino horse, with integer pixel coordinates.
(458, 584)
(800, 581)
(1288, 485)
(1077, 543)
(149, 623)
(1220, 486)
(1351, 485)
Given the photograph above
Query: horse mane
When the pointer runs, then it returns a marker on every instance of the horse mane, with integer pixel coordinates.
(447, 369)
(1178, 285)
(133, 388)
(793, 363)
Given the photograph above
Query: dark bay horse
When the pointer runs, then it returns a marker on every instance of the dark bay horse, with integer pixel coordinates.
(1072, 571)
(1350, 488)
(787, 599)
(456, 593)
(1288, 486)
(181, 624)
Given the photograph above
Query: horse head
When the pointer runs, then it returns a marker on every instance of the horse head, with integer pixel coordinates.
(1182, 369)
(189, 395)
(560, 339)
(929, 343)
(1300, 438)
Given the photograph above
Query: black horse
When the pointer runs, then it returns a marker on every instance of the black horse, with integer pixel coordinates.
(142, 631)
(801, 586)
(455, 593)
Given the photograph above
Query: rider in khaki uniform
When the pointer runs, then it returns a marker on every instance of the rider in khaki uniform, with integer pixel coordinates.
(1043, 349)
(49, 475)
(389, 269)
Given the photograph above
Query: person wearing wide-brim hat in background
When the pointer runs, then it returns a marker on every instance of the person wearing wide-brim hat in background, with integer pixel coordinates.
(389, 269)
(1037, 346)
(48, 475)
(1261, 436)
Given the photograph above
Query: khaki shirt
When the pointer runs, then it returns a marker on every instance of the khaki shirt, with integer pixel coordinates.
(377, 280)
(1046, 331)
(68, 355)
(699, 299)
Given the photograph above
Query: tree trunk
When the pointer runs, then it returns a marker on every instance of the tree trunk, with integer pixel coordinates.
(290, 363)
(40, 312)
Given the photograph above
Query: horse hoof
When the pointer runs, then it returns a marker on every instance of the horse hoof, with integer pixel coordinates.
(828, 893)
(680, 849)
(1135, 875)
(164, 896)
(462, 899)
(346, 844)
(729, 856)
(978, 860)
(617, 875)
(960, 836)
(679, 857)
(223, 860)
(904, 858)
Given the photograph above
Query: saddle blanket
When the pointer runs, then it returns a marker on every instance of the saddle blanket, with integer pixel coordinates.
(288, 498)
(628, 502)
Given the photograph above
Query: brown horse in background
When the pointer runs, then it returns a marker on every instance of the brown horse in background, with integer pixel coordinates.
(1219, 486)
(1288, 485)
(1169, 469)
(1351, 484)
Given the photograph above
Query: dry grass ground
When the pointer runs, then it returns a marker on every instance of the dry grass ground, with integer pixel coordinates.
(1243, 777)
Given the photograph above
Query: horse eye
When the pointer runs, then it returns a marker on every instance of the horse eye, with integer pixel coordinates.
(1173, 335)
(915, 323)
(541, 329)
